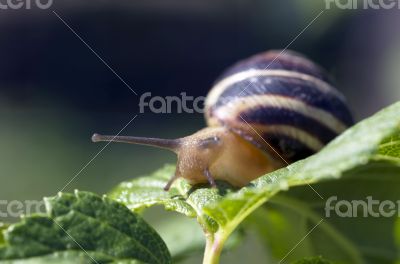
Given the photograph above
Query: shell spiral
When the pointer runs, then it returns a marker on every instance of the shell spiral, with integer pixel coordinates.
(279, 100)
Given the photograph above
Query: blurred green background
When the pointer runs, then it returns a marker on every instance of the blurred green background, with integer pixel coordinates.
(55, 93)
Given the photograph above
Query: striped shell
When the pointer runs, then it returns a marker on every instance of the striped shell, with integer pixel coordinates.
(279, 100)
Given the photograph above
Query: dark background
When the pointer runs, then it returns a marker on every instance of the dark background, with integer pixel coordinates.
(54, 92)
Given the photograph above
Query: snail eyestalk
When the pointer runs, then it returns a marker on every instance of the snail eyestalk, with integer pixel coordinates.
(169, 144)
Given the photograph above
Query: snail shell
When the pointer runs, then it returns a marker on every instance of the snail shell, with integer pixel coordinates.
(279, 100)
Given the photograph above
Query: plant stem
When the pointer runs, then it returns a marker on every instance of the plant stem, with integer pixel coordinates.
(214, 244)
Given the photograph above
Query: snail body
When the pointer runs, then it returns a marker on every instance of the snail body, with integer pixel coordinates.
(263, 113)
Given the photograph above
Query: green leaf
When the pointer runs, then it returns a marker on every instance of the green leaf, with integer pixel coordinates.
(292, 214)
(85, 227)
(148, 191)
(68, 257)
(364, 160)
(389, 149)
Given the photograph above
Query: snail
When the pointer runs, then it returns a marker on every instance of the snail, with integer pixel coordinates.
(263, 113)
